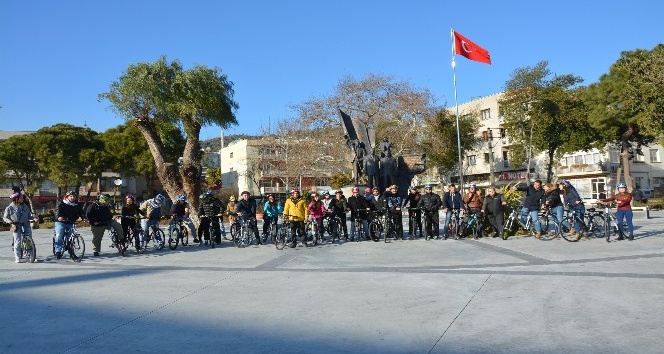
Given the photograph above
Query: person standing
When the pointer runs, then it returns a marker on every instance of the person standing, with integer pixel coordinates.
(414, 212)
(473, 201)
(494, 208)
(246, 209)
(209, 208)
(151, 208)
(18, 215)
(67, 212)
(316, 211)
(101, 219)
(452, 201)
(532, 204)
(393, 201)
(574, 203)
(271, 211)
(624, 209)
(358, 211)
(339, 206)
(429, 203)
(180, 210)
(295, 209)
(553, 202)
(129, 213)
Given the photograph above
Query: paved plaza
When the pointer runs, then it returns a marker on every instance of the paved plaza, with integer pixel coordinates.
(471, 296)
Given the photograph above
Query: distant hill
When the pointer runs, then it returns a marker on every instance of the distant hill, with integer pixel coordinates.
(213, 144)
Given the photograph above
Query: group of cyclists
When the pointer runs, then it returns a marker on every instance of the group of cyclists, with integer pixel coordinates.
(297, 209)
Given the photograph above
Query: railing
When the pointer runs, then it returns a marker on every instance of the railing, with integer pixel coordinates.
(580, 168)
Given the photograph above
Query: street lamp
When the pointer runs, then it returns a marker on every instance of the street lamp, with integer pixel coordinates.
(117, 182)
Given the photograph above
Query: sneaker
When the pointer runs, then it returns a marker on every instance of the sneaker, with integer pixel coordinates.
(197, 240)
(17, 260)
(58, 255)
(538, 234)
(73, 256)
(206, 243)
(292, 245)
(96, 254)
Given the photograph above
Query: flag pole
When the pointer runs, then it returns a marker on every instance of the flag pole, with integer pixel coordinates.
(456, 105)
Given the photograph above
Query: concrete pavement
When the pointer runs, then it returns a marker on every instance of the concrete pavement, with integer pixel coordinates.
(487, 296)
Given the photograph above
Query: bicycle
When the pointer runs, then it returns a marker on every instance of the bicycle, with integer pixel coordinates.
(335, 228)
(313, 233)
(283, 234)
(73, 243)
(120, 244)
(27, 244)
(611, 226)
(412, 221)
(272, 230)
(472, 224)
(377, 225)
(453, 226)
(389, 227)
(428, 215)
(177, 233)
(569, 224)
(358, 232)
(548, 223)
(245, 236)
(154, 234)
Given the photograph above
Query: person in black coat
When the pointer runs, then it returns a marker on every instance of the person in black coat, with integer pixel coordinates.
(532, 204)
(494, 208)
(452, 200)
(429, 203)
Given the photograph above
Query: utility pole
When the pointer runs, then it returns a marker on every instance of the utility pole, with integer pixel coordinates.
(488, 137)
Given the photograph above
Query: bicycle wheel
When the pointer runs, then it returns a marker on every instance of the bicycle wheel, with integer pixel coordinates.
(159, 239)
(280, 239)
(550, 229)
(234, 230)
(29, 250)
(453, 229)
(391, 231)
(184, 236)
(567, 230)
(77, 247)
(238, 237)
(375, 230)
(173, 239)
(143, 246)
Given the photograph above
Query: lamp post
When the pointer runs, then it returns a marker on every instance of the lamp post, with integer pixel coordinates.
(117, 182)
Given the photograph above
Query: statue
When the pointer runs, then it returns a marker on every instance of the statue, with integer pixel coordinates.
(385, 148)
(388, 168)
(371, 170)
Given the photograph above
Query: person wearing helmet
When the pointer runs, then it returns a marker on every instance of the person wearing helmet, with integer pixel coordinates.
(452, 200)
(473, 201)
(67, 212)
(316, 211)
(393, 202)
(100, 216)
(414, 213)
(295, 209)
(209, 210)
(574, 203)
(18, 215)
(180, 211)
(359, 207)
(339, 206)
(151, 208)
(624, 208)
(271, 210)
(532, 204)
(429, 203)
(246, 209)
(128, 216)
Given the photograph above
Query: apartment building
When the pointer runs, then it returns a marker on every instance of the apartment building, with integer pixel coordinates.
(592, 172)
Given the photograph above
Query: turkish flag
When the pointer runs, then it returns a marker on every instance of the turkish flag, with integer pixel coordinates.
(464, 46)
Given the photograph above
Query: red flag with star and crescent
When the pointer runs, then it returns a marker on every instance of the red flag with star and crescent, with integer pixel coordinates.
(464, 46)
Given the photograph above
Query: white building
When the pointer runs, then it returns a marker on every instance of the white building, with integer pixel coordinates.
(591, 172)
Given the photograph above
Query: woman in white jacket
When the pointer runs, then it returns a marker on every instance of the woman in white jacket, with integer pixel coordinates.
(18, 215)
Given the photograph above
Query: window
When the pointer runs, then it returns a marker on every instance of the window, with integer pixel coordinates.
(486, 157)
(658, 181)
(639, 158)
(597, 157)
(654, 155)
(471, 160)
(486, 114)
(231, 155)
(502, 133)
(506, 162)
(578, 159)
(614, 156)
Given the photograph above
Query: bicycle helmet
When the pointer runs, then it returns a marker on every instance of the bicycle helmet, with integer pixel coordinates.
(72, 192)
(394, 186)
(104, 198)
(355, 190)
(621, 185)
(182, 198)
(130, 196)
(295, 190)
(428, 186)
(324, 193)
(15, 195)
(473, 186)
(231, 198)
(159, 198)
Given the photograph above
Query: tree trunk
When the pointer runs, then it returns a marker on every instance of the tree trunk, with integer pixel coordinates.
(167, 172)
(624, 153)
(191, 169)
(549, 167)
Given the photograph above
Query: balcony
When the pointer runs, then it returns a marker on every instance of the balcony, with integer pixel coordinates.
(582, 168)
(274, 190)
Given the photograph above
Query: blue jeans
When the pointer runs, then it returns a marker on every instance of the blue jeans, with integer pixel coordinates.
(145, 225)
(60, 229)
(558, 212)
(579, 211)
(627, 214)
(365, 225)
(533, 215)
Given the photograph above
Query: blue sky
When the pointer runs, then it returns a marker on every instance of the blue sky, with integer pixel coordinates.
(57, 56)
